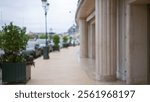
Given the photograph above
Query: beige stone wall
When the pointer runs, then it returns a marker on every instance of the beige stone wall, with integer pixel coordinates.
(137, 44)
(148, 44)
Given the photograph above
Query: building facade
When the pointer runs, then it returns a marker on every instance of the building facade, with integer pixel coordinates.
(116, 35)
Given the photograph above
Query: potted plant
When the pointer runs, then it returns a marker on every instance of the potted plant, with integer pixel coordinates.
(65, 40)
(70, 40)
(56, 40)
(15, 66)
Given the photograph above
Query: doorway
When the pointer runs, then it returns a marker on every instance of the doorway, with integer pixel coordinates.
(93, 39)
(148, 39)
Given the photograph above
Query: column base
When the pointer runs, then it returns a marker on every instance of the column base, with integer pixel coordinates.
(106, 78)
(83, 56)
(136, 82)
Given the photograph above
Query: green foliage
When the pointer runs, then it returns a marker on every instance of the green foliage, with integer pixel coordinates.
(65, 39)
(42, 36)
(56, 39)
(31, 36)
(13, 40)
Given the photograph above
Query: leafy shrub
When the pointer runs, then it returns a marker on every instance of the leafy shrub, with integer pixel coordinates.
(13, 41)
(56, 40)
(42, 36)
(65, 39)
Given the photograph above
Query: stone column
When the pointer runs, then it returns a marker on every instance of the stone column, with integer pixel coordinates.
(83, 38)
(106, 40)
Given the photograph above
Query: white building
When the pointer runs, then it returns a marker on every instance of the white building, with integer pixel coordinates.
(116, 34)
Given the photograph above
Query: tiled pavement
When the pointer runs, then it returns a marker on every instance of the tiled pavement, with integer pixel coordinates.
(65, 68)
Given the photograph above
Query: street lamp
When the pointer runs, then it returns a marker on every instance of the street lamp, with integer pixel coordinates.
(45, 5)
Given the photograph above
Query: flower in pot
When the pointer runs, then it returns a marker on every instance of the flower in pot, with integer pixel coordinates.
(15, 66)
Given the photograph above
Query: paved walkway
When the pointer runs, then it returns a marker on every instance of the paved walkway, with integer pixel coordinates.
(64, 68)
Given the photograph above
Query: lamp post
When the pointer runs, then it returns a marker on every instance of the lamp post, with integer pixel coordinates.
(45, 5)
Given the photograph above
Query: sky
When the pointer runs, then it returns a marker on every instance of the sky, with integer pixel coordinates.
(30, 14)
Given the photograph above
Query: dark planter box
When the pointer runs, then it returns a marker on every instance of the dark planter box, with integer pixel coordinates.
(56, 48)
(65, 45)
(15, 72)
(46, 52)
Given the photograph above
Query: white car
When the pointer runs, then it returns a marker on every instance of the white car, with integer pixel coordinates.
(42, 44)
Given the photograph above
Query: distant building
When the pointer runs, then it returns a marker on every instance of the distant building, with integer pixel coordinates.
(72, 30)
(52, 33)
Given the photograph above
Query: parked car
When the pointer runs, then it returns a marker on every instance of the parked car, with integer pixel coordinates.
(42, 44)
(32, 49)
(75, 42)
(61, 45)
